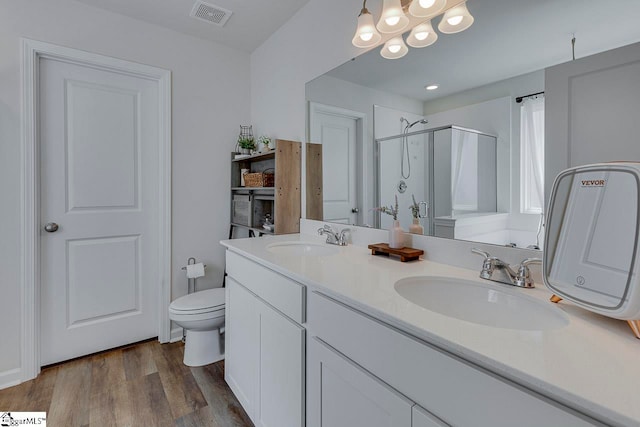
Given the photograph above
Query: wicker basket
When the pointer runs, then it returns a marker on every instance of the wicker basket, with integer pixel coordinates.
(260, 179)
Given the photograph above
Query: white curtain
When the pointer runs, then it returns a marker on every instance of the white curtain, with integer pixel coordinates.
(532, 155)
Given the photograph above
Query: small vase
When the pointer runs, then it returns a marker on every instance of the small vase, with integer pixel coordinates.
(264, 148)
(396, 236)
(416, 227)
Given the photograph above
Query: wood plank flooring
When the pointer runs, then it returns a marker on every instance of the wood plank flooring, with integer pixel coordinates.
(145, 384)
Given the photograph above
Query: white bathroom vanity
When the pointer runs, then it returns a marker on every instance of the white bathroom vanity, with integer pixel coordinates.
(321, 335)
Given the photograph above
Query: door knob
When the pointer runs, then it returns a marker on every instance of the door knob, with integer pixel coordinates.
(51, 227)
(355, 210)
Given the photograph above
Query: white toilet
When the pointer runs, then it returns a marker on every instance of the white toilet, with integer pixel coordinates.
(201, 314)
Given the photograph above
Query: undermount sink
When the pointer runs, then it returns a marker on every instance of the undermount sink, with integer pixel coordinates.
(295, 248)
(479, 303)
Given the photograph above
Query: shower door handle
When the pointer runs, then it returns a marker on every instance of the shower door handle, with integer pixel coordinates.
(426, 209)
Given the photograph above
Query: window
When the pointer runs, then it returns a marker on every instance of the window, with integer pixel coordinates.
(532, 156)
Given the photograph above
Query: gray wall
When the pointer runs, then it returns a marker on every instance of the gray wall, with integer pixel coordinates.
(210, 98)
(591, 111)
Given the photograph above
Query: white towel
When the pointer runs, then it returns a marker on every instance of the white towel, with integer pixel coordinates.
(195, 270)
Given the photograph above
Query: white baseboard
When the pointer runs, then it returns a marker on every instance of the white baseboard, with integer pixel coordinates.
(176, 335)
(10, 378)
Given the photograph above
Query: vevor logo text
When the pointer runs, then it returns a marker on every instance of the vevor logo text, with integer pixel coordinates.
(593, 183)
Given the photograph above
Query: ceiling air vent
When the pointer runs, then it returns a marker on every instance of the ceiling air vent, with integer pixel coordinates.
(210, 13)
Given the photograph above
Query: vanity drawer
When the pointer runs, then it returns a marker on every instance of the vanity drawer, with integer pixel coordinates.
(453, 390)
(280, 292)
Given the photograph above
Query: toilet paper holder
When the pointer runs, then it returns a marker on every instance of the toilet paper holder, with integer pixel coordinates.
(191, 283)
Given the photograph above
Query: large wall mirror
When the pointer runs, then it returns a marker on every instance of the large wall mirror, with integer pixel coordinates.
(470, 153)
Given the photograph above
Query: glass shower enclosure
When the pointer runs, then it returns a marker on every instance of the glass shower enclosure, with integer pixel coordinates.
(450, 171)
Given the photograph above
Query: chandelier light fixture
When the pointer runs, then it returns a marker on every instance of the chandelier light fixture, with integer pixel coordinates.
(422, 35)
(366, 34)
(394, 48)
(426, 8)
(455, 20)
(394, 21)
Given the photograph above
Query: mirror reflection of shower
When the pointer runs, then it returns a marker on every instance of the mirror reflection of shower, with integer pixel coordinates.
(454, 174)
(405, 145)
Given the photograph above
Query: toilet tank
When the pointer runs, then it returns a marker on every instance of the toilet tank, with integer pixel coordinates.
(591, 242)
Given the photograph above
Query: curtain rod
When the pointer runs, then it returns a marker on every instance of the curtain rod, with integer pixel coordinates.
(519, 99)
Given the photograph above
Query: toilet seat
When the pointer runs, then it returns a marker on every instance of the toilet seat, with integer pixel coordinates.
(200, 302)
(196, 318)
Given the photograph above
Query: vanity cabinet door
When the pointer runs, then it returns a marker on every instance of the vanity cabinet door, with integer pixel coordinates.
(420, 417)
(342, 394)
(241, 344)
(430, 377)
(281, 367)
(264, 364)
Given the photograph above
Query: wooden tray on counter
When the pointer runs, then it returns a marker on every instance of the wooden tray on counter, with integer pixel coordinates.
(405, 254)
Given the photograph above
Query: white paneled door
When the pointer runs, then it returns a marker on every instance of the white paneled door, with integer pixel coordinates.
(98, 209)
(337, 132)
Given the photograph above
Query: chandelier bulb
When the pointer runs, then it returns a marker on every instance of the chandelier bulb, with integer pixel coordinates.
(456, 19)
(392, 18)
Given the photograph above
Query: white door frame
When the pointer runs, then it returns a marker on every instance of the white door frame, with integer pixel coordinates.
(32, 52)
(362, 151)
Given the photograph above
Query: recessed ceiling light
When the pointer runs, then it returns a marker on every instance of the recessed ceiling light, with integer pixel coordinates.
(432, 87)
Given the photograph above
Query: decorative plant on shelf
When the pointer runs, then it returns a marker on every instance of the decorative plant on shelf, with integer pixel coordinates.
(415, 208)
(389, 210)
(246, 143)
(266, 141)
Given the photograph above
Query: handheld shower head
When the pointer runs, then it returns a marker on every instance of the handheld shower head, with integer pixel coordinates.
(421, 121)
(409, 125)
(405, 145)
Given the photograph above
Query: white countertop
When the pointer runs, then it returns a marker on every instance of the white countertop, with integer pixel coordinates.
(590, 365)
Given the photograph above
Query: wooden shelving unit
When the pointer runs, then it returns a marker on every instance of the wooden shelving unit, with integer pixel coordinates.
(314, 181)
(249, 205)
(255, 231)
(255, 157)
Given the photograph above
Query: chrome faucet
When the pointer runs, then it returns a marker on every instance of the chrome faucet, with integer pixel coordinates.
(523, 279)
(499, 271)
(334, 237)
